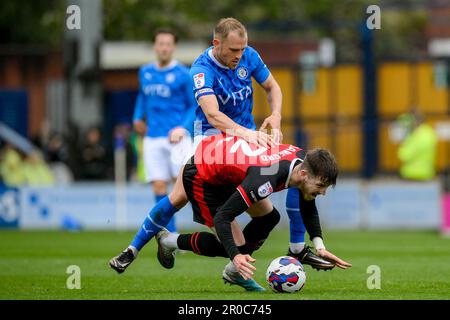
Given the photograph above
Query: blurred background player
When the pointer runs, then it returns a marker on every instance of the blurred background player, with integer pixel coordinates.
(223, 90)
(164, 114)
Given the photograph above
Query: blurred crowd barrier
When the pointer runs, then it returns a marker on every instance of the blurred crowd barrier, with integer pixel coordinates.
(352, 204)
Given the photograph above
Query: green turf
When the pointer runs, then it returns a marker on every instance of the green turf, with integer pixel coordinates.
(414, 265)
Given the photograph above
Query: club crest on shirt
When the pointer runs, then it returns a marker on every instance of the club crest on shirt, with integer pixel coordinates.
(265, 189)
(242, 73)
(170, 77)
(148, 76)
(199, 80)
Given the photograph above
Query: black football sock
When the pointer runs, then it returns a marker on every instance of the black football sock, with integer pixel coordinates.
(202, 243)
(257, 231)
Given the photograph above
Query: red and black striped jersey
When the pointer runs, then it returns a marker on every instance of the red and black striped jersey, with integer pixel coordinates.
(229, 160)
(255, 172)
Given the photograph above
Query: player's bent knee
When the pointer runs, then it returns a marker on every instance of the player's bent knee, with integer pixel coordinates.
(178, 198)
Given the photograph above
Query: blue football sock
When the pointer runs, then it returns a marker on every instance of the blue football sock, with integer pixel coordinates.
(158, 218)
(171, 225)
(297, 229)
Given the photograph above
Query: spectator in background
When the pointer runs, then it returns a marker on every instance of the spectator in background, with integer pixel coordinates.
(417, 152)
(57, 155)
(18, 170)
(56, 149)
(36, 170)
(93, 156)
(11, 167)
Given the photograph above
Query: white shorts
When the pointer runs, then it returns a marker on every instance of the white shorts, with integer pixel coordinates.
(163, 160)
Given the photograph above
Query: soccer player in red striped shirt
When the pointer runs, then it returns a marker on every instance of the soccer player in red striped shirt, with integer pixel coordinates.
(225, 177)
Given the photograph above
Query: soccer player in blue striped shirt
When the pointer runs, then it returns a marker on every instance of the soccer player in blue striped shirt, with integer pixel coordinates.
(164, 115)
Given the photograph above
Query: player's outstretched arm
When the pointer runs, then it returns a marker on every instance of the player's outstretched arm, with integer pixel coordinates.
(332, 258)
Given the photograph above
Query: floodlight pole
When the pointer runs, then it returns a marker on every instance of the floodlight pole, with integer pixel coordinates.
(82, 63)
(370, 121)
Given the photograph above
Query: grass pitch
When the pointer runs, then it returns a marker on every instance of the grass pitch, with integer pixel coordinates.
(33, 265)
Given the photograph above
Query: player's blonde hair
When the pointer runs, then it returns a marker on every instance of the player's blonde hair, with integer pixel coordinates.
(227, 25)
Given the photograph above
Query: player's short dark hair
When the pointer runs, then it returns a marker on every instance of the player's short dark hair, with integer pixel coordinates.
(164, 31)
(321, 163)
(227, 25)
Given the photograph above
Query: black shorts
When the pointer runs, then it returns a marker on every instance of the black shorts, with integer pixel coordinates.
(205, 198)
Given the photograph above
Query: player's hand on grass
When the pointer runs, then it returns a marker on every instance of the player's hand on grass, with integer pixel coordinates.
(242, 262)
(333, 259)
(176, 134)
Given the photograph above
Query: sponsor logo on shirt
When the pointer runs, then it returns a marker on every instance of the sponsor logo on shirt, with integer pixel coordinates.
(237, 96)
(265, 189)
(199, 80)
(161, 90)
(276, 156)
